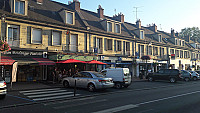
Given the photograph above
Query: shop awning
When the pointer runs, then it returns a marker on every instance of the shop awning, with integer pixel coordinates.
(44, 61)
(71, 61)
(95, 62)
(5, 60)
(25, 60)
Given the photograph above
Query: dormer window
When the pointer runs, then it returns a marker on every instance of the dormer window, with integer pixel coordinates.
(183, 43)
(109, 27)
(20, 7)
(160, 38)
(180, 42)
(141, 34)
(70, 18)
(176, 42)
(117, 28)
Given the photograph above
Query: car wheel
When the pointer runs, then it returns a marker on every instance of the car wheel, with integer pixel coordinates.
(91, 87)
(172, 80)
(118, 85)
(66, 84)
(150, 79)
(3, 96)
(186, 79)
(194, 78)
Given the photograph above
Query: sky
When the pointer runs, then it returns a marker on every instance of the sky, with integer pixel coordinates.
(166, 14)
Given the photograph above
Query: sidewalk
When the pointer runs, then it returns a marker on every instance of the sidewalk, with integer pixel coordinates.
(19, 86)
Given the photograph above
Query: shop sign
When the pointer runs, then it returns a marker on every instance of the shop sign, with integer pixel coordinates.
(127, 59)
(65, 57)
(23, 53)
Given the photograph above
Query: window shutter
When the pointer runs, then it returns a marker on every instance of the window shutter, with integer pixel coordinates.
(29, 35)
(48, 32)
(114, 45)
(139, 49)
(105, 44)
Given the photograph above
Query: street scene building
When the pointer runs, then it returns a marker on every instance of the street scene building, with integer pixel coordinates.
(43, 32)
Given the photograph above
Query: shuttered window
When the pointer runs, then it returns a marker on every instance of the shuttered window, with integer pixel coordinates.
(56, 38)
(36, 36)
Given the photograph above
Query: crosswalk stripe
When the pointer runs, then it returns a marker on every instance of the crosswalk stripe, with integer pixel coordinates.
(38, 99)
(46, 95)
(38, 90)
(43, 92)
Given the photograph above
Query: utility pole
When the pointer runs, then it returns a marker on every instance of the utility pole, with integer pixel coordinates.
(136, 11)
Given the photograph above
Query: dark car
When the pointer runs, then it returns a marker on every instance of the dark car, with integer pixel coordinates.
(3, 89)
(186, 75)
(165, 74)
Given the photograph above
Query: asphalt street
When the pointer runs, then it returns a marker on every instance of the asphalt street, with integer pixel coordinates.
(147, 97)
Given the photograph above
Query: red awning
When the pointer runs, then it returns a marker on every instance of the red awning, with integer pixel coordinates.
(44, 61)
(96, 62)
(5, 60)
(71, 61)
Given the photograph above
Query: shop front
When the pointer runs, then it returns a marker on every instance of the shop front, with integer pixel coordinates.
(31, 66)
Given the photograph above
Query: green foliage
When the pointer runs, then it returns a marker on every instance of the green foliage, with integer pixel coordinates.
(193, 32)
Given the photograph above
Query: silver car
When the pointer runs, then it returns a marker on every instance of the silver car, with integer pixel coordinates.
(3, 89)
(88, 79)
(195, 75)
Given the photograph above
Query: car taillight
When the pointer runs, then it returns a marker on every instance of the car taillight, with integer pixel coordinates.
(102, 80)
(123, 79)
(4, 83)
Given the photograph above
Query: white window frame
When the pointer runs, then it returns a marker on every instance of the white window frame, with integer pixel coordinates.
(160, 38)
(141, 34)
(117, 29)
(32, 36)
(73, 18)
(53, 38)
(109, 28)
(19, 5)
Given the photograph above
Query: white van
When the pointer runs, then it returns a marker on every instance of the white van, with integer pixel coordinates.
(121, 76)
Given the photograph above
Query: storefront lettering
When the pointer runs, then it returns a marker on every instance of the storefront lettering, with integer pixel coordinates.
(24, 53)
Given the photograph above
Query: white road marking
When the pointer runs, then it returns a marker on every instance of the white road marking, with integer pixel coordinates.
(43, 92)
(47, 98)
(38, 90)
(52, 94)
(117, 109)
(80, 104)
(130, 106)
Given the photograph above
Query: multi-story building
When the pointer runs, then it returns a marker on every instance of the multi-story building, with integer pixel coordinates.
(42, 32)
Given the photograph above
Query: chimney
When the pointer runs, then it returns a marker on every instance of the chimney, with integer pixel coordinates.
(187, 38)
(177, 34)
(138, 24)
(100, 11)
(172, 33)
(153, 27)
(75, 5)
(119, 17)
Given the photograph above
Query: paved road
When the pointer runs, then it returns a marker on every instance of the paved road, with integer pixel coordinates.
(150, 97)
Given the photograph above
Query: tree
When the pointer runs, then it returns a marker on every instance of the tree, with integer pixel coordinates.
(193, 32)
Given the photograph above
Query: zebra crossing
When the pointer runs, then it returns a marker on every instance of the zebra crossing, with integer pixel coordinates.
(48, 94)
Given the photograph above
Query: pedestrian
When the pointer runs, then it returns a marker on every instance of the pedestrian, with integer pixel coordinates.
(54, 76)
(60, 77)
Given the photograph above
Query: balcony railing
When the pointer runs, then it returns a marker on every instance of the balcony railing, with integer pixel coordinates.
(14, 43)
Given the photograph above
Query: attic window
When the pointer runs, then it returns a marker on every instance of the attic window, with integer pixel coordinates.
(70, 18)
(183, 43)
(109, 26)
(141, 34)
(20, 7)
(117, 28)
(160, 38)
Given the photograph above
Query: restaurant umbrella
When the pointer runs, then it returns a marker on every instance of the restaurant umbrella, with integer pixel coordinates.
(96, 62)
(71, 61)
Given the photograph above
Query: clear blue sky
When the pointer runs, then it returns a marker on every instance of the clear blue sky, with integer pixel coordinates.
(166, 14)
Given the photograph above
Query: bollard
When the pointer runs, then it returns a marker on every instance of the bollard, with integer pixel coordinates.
(75, 88)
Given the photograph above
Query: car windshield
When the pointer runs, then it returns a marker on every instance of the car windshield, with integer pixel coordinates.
(97, 74)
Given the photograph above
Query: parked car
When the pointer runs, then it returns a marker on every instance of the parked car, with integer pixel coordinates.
(88, 79)
(195, 76)
(186, 75)
(198, 71)
(165, 74)
(3, 89)
(121, 76)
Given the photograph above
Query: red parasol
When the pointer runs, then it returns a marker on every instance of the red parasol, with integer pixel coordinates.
(71, 61)
(95, 62)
